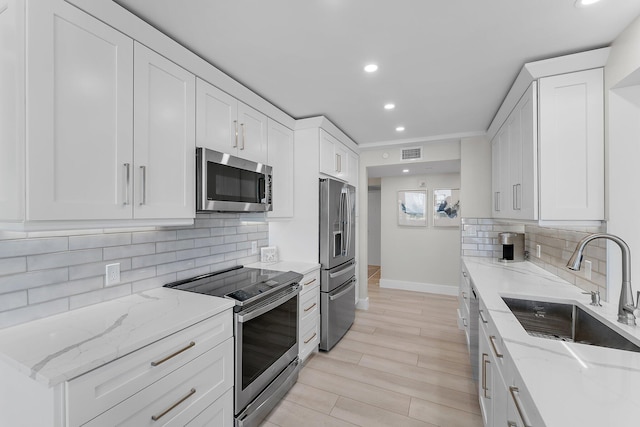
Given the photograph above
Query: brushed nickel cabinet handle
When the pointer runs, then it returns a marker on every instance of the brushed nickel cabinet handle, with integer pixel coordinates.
(127, 177)
(310, 338)
(244, 136)
(310, 307)
(309, 282)
(511, 424)
(143, 170)
(235, 143)
(515, 395)
(164, 359)
(485, 360)
(464, 295)
(482, 317)
(166, 411)
(492, 338)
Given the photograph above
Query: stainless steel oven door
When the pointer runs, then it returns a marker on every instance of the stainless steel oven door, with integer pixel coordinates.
(266, 341)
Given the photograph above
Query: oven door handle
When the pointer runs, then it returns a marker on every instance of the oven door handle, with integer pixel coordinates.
(252, 314)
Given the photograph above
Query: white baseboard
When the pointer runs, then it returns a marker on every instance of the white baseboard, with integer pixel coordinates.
(419, 287)
(363, 304)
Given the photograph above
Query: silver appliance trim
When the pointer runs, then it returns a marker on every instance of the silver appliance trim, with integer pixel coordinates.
(338, 313)
(257, 410)
(336, 277)
(203, 204)
(258, 310)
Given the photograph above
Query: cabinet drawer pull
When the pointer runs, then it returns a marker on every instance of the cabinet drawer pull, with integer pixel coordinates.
(515, 395)
(492, 338)
(310, 307)
(485, 360)
(309, 282)
(482, 317)
(310, 338)
(158, 362)
(166, 411)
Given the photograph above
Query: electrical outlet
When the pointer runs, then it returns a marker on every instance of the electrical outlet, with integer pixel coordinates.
(113, 274)
(254, 248)
(587, 269)
(538, 251)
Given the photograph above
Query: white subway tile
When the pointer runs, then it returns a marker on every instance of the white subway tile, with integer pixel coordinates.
(174, 246)
(175, 266)
(83, 271)
(138, 274)
(192, 253)
(129, 251)
(15, 248)
(61, 259)
(148, 260)
(33, 312)
(98, 296)
(13, 300)
(154, 236)
(33, 279)
(12, 265)
(235, 238)
(52, 292)
(193, 233)
(99, 241)
(223, 248)
(153, 282)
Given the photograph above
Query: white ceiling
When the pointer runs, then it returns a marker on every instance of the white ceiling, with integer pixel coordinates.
(414, 168)
(446, 64)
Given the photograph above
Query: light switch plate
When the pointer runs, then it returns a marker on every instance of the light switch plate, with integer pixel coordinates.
(587, 269)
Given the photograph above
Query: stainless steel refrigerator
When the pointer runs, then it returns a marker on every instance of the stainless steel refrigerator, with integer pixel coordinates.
(337, 256)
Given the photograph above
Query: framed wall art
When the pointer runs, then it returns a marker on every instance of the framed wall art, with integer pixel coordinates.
(446, 207)
(412, 208)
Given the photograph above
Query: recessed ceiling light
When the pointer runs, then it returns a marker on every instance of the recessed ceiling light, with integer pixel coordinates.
(371, 68)
(583, 3)
(389, 106)
(405, 170)
(400, 129)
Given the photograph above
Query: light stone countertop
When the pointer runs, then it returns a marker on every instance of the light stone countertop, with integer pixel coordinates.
(61, 347)
(299, 267)
(571, 384)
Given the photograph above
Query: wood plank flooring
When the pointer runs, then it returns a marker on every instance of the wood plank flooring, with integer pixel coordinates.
(403, 363)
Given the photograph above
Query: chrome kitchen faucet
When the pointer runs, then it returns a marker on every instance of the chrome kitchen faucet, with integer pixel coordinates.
(627, 311)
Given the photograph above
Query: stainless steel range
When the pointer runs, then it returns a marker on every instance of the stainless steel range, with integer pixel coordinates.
(265, 333)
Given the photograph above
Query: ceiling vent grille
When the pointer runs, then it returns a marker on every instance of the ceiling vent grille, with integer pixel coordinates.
(412, 153)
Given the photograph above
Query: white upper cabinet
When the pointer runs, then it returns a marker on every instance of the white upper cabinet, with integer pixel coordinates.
(164, 143)
(333, 157)
(79, 116)
(281, 155)
(252, 134)
(353, 167)
(227, 125)
(548, 156)
(572, 146)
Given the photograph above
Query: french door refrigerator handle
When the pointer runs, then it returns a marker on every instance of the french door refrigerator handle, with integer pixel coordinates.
(341, 272)
(341, 293)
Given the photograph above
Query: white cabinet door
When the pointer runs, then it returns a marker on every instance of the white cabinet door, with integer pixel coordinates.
(80, 116)
(11, 110)
(571, 143)
(485, 382)
(252, 138)
(352, 167)
(514, 164)
(164, 170)
(216, 119)
(498, 177)
(527, 191)
(280, 158)
(333, 157)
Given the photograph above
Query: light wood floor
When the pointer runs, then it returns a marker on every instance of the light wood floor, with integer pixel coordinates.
(403, 363)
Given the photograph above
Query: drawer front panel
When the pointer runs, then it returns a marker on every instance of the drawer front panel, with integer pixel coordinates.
(180, 396)
(95, 392)
(309, 337)
(310, 281)
(309, 305)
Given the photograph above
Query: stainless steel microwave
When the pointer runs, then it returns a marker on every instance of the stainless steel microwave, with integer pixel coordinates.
(226, 183)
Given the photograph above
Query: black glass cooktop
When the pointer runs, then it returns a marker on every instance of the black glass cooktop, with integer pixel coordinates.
(239, 283)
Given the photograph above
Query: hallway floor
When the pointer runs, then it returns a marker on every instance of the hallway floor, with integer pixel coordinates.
(403, 363)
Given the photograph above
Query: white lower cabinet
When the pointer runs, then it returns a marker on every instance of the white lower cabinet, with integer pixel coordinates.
(183, 379)
(309, 315)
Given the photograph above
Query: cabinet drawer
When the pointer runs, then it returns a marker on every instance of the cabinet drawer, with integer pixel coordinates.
(95, 392)
(309, 305)
(180, 396)
(219, 413)
(309, 337)
(310, 281)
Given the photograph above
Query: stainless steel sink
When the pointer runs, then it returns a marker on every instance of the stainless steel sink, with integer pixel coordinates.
(566, 322)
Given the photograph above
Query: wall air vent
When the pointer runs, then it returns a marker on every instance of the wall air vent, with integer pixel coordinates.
(412, 153)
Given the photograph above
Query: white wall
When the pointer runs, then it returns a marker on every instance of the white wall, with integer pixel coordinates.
(622, 139)
(374, 231)
(418, 258)
(431, 151)
(475, 177)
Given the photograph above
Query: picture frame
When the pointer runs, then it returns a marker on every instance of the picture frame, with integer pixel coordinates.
(446, 207)
(412, 208)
